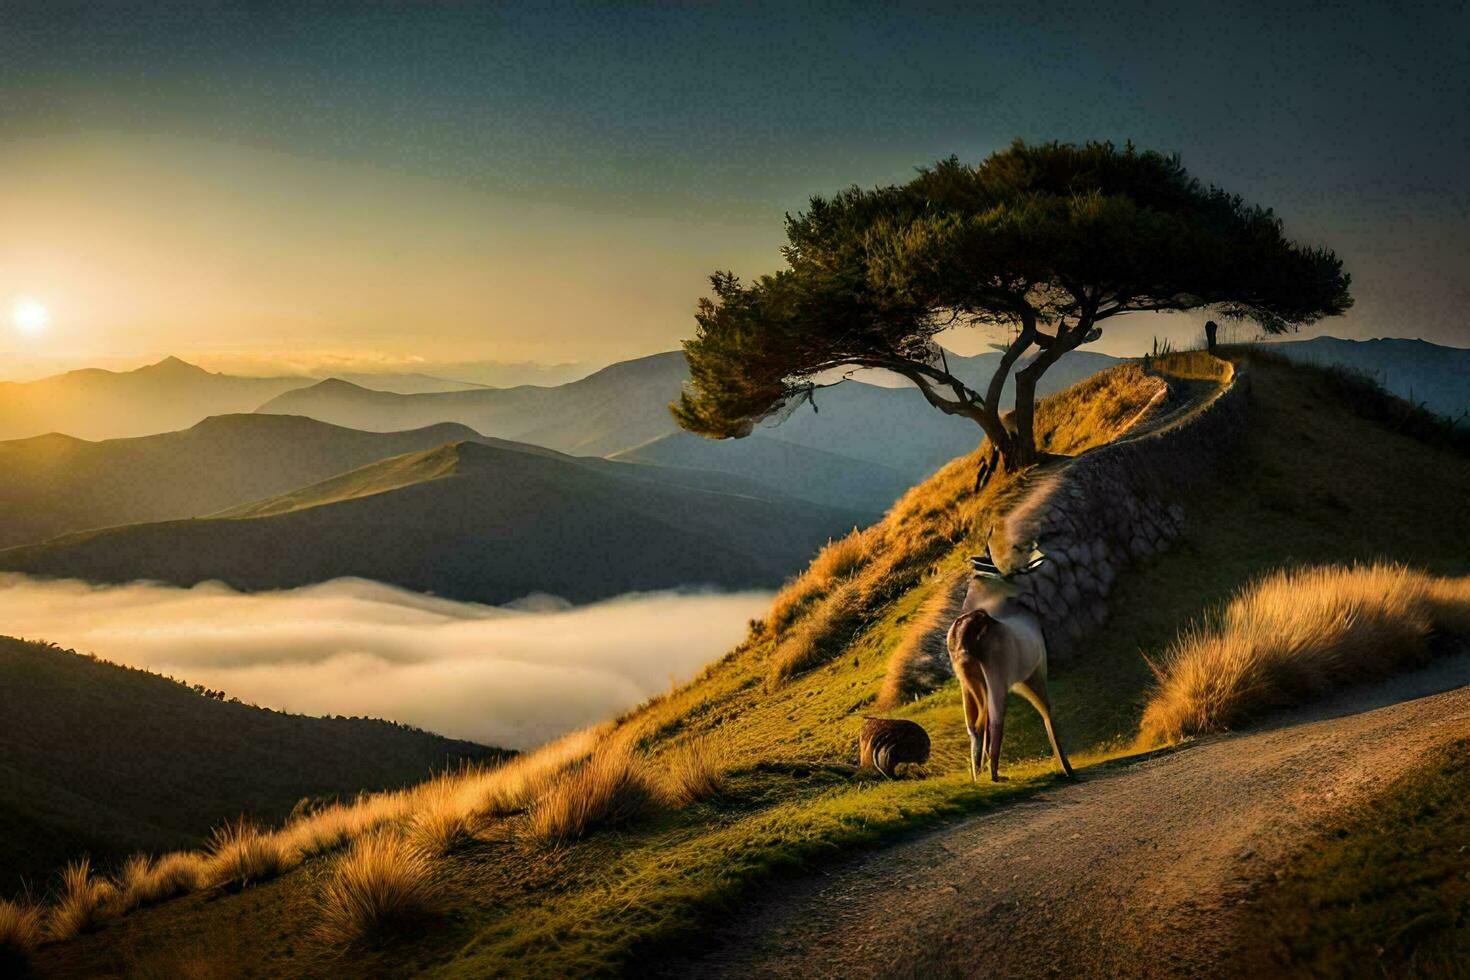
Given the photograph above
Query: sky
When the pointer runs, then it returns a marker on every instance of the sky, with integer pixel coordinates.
(403, 183)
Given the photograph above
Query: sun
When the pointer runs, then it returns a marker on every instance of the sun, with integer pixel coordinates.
(29, 316)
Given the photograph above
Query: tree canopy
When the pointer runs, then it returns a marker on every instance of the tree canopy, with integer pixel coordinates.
(1048, 240)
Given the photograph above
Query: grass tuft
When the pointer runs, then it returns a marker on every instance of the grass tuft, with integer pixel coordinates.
(143, 881)
(819, 637)
(82, 904)
(440, 819)
(241, 854)
(20, 934)
(920, 664)
(695, 771)
(1295, 635)
(611, 788)
(380, 887)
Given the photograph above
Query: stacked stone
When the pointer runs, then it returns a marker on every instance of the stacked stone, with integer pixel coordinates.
(1110, 507)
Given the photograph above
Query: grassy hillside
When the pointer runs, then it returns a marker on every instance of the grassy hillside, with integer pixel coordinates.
(469, 521)
(97, 404)
(1431, 375)
(779, 714)
(108, 760)
(55, 484)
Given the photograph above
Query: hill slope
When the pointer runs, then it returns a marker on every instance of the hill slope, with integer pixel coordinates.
(97, 404)
(469, 521)
(1416, 370)
(107, 759)
(1310, 482)
(54, 483)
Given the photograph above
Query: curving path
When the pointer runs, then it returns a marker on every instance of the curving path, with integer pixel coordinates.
(1133, 871)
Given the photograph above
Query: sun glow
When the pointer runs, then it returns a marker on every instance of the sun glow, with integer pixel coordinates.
(29, 316)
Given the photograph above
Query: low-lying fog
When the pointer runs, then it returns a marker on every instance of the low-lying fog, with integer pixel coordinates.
(511, 676)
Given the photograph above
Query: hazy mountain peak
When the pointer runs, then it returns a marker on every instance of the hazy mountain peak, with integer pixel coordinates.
(173, 366)
(337, 385)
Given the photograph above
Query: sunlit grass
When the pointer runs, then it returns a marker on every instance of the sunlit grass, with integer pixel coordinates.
(20, 933)
(82, 903)
(1295, 635)
(381, 886)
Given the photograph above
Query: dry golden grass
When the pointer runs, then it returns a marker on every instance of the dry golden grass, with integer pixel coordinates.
(382, 885)
(921, 661)
(143, 881)
(82, 904)
(20, 934)
(820, 636)
(338, 824)
(512, 787)
(610, 788)
(440, 820)
(694, 771)
(1294, 635)
(241, 854)
(840, 560)
(1096, 410)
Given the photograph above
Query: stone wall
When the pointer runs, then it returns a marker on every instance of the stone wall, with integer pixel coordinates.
(1108, 507)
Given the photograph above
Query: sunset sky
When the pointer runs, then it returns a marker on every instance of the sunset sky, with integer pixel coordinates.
(395, 183)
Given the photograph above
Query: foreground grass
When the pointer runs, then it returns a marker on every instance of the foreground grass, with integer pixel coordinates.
(1295, 635)
(1383, 891)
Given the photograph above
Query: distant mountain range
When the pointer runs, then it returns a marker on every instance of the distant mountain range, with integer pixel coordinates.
(97, 404)
(172, 394)
(107, 760)
(471, 521)
(54, 484)
(835, 462)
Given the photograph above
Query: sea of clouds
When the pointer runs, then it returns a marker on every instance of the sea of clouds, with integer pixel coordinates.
(512, 675)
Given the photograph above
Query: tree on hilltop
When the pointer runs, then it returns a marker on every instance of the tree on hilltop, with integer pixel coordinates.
(1048, 241)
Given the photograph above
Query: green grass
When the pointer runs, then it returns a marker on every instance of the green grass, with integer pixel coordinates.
(1382, 891)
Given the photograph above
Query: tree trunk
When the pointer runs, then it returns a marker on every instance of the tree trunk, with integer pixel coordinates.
(1023, 446)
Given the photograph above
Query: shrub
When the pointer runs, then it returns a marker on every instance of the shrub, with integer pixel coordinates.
(610, 788)
(819, 637)
(82, 903)
(20, 934)
(1294, 635)
(240, 854)
(694, 771)
(382, 885)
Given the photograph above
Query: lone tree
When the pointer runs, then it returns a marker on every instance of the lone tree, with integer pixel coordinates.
(1048, 241)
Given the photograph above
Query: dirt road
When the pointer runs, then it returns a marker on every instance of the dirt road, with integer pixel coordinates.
(1132, 871)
